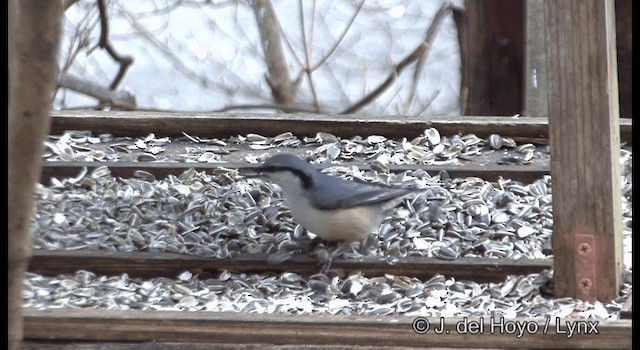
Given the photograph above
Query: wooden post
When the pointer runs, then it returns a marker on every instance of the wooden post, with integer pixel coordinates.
(34, 31)
(535, 74)
(585, 148)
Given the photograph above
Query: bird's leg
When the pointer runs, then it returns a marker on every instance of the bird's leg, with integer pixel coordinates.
(325, 257)
(371, 243)
(336, 248)
(314, 243)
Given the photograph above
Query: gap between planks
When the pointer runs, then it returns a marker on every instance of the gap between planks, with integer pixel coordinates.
(152, 264)
(338, 330)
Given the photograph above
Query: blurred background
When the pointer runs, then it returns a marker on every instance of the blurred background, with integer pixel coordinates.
(203, 55)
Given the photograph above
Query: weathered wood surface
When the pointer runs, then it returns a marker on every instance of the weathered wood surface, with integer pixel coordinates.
(227, 124)
(535, 73)
(585, 148)
(33, 39)
(151, 264)
(380, 331)
(155, 345)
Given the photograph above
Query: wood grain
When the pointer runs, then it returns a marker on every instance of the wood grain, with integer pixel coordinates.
(151, 264)
(280, 329)
(585, 147)
(228, 124)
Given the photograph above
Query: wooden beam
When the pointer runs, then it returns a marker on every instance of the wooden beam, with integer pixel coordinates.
(524, 173)
(337, 330)
(151, 264)
(226, 124)
(33, 39)
(535, 74)
(156, 345)
(585, 148)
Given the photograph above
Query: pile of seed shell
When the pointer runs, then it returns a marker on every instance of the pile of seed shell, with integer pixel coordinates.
(222, 214)
(353, 294)
(428, 148)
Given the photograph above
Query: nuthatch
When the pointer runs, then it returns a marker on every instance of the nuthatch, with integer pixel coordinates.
(334, 209)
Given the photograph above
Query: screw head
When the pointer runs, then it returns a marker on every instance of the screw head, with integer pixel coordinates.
(585, 284)
(584, 249)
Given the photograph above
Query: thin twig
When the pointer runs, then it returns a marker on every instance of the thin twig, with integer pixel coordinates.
(340, 38)
(412, 57)
(105, 43)
(80, 38)
(428, 103)
(269, 106)
(430, 36)
(307, 53)
(286, 108)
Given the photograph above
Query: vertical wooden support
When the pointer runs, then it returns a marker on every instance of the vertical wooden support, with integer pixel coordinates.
(34, 31)
(491, 35)
(585, 147)
(535, 74)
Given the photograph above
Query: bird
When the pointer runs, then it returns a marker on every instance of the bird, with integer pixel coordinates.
(334, 209)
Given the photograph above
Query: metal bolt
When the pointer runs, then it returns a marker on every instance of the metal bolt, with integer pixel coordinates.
(585, 284)
(584, 249)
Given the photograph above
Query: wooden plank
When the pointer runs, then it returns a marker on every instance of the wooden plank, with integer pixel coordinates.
(227, 124)
(338, 330)
(585, 148)
(525, 173)
(156, 345)
(152, 264)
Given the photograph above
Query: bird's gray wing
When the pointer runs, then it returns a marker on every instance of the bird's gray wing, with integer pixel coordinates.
(340, 193)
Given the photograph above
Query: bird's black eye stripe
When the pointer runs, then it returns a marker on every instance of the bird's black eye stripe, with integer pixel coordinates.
(304, 177)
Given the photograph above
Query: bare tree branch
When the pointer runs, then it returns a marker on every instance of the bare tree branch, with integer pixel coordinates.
(114, 98)
(105, 43)
(429, 38)
(69, 3)
(34, 35)
(412, 57)
(307, 53)
(80, 40)
(249, 106)
(283, 89)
